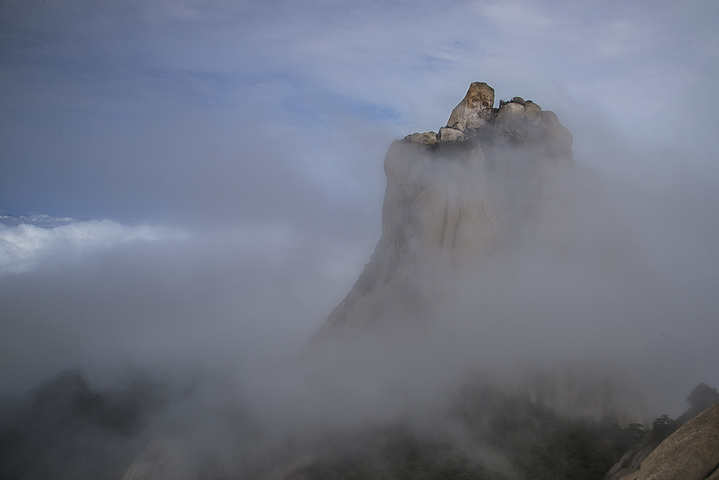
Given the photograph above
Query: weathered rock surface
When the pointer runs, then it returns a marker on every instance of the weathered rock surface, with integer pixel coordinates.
(427, 138)
(475, 110)
(450, 134)
(690, 453)
(452, 198)
(686, 448)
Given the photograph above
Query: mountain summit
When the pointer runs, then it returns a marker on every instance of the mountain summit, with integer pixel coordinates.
(453, 197)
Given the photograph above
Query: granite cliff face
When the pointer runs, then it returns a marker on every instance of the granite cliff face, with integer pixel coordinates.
(453, 198)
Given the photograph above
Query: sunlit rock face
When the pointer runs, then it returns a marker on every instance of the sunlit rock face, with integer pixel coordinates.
(475, 110)
(452, 199)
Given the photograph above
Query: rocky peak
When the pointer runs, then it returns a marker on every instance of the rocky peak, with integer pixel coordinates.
(452, 198)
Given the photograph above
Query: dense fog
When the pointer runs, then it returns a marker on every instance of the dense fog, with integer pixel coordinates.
(606, 311)
(187, 191)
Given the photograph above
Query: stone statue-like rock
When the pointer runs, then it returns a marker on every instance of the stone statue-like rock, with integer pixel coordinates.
(475, 109)
(452, 199)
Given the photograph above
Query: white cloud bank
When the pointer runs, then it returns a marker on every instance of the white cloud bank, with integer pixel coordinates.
(24, 245)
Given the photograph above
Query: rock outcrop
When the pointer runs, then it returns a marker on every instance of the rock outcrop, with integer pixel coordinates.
(690, 453)
(452, 198)
(683, 449)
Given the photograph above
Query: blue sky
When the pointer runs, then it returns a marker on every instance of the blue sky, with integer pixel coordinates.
(175, 110)
(257, 130)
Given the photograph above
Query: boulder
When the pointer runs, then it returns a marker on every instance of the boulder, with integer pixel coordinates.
(533, 112)
(510, 112)
(448, 134)
(427, 138)
(474, 110)
(701, 399)
(690, 453)
(553, 138)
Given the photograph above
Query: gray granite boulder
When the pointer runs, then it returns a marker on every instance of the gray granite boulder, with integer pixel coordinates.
(690, 453)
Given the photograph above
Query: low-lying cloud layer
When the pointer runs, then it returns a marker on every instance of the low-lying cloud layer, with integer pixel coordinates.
(225, 161)
(166, 299)
(25, 242)
(608, 311)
